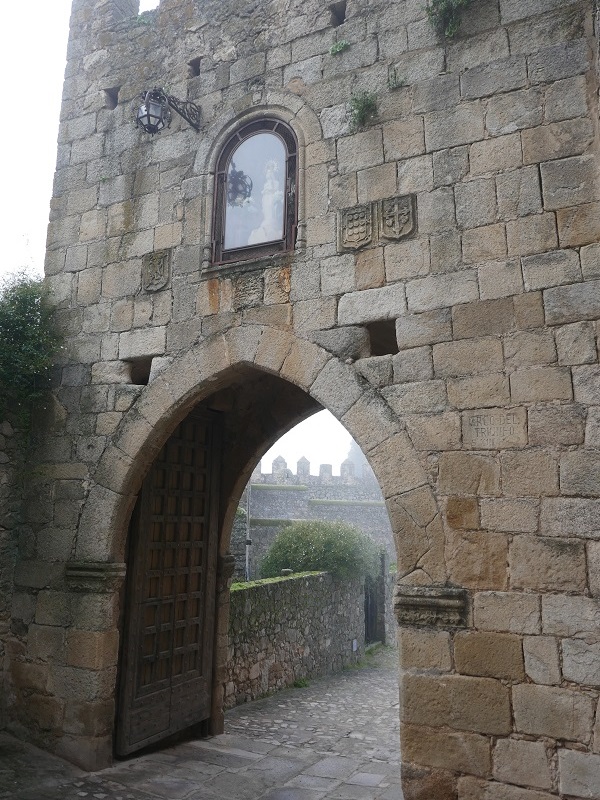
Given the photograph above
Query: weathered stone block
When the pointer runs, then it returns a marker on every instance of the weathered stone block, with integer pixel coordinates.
(519, 516)
(415, 175)
(496, 155)
(522, 762)
(579, 225)
(558, 140)
(446, 252)
(499, 279)
(572, 303)
(547, 564)
(542, 663)
(417, 397)
(406, 259)
(372, 305)
(475, 203)
(477, 559)
(457, 751)
(551, 269)
(468, 473)
(581, 662)
(485, 318)
(510, 612)
(376, 369)
(467, 357)
(420, 649)
(533, 234)
(486, 243)
(478, 391)
(439, 291)
(529, 472)
(569, 182)
(449, 128)
(514, 111)
(579, 773)
(556, 425)
(414, 330)
(570, 616)
(440, 432)
(580, 473)
(549, 711)
(519, 193)
(529, 348)
(450, 166)
(558, 61)
(369, 269)
(480, 705)
(462, 513)
(541, 383)
(491, 655)
(412, 365)
(495, 77)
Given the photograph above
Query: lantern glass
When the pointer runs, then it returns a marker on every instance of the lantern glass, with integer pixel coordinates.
(154, 114)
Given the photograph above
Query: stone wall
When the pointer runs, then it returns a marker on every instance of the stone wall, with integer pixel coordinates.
(294, 628)
(442, 300)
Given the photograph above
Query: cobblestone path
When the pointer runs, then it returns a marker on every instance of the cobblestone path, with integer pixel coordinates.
(336, 739)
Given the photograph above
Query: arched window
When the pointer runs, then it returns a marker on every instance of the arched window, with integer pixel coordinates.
(255, 207)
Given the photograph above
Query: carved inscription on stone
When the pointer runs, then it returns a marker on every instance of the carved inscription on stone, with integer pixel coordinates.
(355, 227)
(156, 270)
(390, 219)
(431, 606)
(494, 428)
(396, 217)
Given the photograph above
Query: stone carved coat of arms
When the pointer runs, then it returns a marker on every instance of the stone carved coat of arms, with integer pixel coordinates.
(393, 218)
(156, 270)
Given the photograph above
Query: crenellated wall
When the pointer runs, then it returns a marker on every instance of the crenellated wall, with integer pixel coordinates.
(442, 300)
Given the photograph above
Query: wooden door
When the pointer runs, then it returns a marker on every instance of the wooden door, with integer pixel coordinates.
(167, 654)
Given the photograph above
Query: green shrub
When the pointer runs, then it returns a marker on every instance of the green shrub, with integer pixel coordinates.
(334, 547)
(445, 15)
(363, 110)
(28, 343)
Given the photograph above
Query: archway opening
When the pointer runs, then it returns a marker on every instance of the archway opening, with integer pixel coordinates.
(253, 409)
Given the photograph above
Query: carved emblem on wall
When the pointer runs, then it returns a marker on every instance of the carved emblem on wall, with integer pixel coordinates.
(156, 270)
(431, 606)
(393, 218)
(396, 217)
(355, 227)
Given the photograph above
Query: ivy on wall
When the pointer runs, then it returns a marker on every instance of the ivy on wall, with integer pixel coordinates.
(445, 15)
(29, 341)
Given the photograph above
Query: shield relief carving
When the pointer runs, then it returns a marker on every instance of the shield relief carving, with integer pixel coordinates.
(390, 219)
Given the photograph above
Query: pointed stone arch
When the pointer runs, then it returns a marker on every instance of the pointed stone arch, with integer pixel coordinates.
(334, 385)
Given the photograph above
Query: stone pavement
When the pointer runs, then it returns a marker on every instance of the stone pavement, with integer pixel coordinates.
(336, 739)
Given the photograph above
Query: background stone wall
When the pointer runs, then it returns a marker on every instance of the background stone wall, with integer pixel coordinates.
(294, 628)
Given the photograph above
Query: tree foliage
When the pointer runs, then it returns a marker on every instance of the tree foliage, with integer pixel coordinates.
(29, 341)
(335, 547)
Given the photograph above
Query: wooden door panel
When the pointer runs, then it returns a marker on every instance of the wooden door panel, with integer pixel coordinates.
(167, 654)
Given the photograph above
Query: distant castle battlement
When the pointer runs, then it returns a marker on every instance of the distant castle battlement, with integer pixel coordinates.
(351, 474)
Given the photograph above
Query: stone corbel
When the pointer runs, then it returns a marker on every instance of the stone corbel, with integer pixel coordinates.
(94, 576)
(431, 606)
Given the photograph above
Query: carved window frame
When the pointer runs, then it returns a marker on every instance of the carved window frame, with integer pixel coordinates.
(221, 256)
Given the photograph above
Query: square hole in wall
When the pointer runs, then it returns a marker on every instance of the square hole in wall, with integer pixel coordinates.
(338, 13)
(111, 97)
(140, 371)
(194, 67)
(382, 337)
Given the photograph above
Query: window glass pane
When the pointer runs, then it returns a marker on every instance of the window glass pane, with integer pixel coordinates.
(255, 192)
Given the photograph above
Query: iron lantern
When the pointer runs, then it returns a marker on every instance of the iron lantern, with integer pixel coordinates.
(154, 114)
